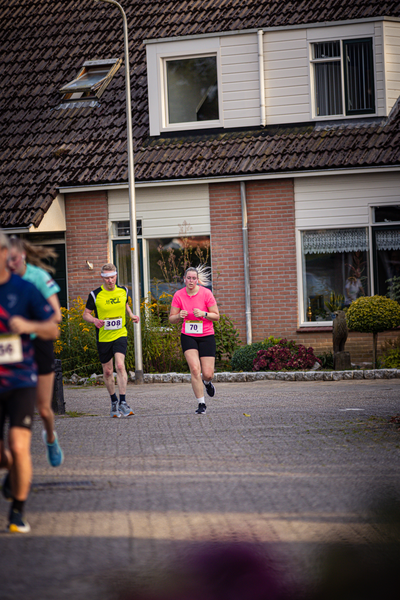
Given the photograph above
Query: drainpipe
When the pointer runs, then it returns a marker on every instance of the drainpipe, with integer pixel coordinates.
(260, 35)
(249, 335)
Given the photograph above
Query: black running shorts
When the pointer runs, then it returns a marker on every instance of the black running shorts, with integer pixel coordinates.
(18, 405)
(205, 344)
(44, 356)
(107, 350)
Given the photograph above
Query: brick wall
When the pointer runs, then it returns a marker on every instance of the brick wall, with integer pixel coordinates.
(86, 239)
(272, 255)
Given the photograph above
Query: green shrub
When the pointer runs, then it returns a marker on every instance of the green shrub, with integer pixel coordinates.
(391, 354)
(394, 288)
(326, 360)
(373, 314)
(226, 338)
(243, 358)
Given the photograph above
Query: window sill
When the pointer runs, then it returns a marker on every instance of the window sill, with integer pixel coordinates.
(324, 329)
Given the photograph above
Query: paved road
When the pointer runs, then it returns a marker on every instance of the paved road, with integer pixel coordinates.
(291, 467)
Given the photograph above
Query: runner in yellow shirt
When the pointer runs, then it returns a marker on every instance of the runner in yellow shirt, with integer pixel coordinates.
(106, 308)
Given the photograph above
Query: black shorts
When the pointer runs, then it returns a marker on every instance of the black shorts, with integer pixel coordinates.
(107, 350)
(18, 405)
(44, 356)
(205, 344)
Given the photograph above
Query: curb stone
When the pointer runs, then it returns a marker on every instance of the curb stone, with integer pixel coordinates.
(227, 377)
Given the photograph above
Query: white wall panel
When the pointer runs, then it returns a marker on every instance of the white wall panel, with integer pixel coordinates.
(163, 210)
(343, 201)
(239, 64)
(392, 62)
(286, 71)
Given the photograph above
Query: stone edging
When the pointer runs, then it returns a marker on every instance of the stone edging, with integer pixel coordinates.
(228, 377)
(275, 375)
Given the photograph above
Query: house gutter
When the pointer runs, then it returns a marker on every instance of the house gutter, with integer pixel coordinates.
(260, 36)
(63, 189)
(249, 333)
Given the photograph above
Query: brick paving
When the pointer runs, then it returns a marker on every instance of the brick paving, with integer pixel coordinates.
(288, 466)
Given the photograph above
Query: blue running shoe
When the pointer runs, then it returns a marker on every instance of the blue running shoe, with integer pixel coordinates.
(6, 487)
(115, 410)
(55, 455)
(17, 524)
(201, 409)
(125, 410)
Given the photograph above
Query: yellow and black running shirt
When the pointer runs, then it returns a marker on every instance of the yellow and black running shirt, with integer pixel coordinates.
(111, 306)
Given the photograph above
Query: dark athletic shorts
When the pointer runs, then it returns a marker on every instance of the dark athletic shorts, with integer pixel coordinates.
(18, 405)
(44, 356)
(107, 350)
(205, 344)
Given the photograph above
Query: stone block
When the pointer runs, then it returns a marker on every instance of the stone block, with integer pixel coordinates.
(176, 377)
(132, 376)
(359, 374)
(389, 373)
(347, 374)
(157, 378)
(312, 375)
(269, 375)
(222, 377)
(186, 378)
(299, 375)
(317, 376)
(369, 374)
(280, 376)
(337, 375)
(239, 377)
(379, 374)
(328, 376)
(290, 376)
(148, 377)
(251, 376)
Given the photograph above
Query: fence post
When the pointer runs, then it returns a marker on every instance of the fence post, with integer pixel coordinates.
(58, 404)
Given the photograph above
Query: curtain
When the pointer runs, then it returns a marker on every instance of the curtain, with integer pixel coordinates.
(329, 241)
(388, 239)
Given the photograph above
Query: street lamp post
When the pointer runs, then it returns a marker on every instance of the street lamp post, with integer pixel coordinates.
(132, 205)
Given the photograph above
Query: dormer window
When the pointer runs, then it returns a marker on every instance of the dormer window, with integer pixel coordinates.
(343, 75)
(92, 79)
(191, 90)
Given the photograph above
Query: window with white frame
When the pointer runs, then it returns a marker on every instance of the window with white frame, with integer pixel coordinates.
(335, 270)
(343, 77)
(191, 90)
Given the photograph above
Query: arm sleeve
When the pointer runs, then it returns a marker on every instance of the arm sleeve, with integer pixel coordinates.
(176, 301)
(210, 300)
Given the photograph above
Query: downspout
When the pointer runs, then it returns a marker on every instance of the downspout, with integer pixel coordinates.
(249, 334)
(260, 35)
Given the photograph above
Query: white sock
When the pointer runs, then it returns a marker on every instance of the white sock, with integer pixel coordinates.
(201, 400)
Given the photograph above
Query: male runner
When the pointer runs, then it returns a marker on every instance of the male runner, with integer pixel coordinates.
(109, 303)
(23, 311)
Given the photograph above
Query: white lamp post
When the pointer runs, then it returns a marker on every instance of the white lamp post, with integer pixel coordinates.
(132, 205)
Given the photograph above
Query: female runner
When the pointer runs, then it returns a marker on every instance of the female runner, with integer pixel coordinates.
(26, 260)
(196, 306)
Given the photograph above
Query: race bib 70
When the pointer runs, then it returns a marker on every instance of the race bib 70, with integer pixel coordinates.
(193, 327)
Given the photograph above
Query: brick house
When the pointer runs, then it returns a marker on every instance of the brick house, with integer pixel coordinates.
(267, 122)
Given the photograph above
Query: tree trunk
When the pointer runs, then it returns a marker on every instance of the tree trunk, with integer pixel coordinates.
(374, 349)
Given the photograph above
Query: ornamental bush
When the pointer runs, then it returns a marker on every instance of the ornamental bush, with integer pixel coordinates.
(373, 314)
(243, 358)
(285, 355)
(391, 354)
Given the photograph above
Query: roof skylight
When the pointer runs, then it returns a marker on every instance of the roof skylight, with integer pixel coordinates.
(92, 79)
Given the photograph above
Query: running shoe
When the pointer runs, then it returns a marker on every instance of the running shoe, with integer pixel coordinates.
(114, 410)
(202, 409)
(210, 389)
(17, 523)
(6, 487)
(125, 410)
(55, 455)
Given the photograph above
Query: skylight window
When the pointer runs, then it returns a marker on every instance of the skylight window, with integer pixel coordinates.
(92, 79)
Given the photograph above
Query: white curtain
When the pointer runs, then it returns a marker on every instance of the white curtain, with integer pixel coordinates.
(329, 241)
(388, 239)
